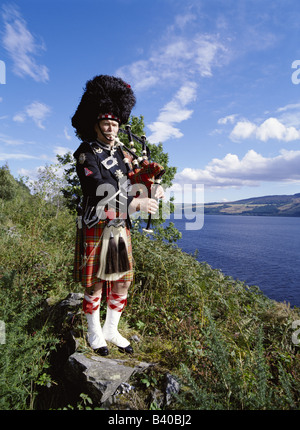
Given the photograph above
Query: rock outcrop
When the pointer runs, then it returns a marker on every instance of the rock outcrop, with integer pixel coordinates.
(98, 376)
(104, 380)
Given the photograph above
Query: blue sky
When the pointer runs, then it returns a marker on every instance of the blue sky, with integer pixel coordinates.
(216, 82)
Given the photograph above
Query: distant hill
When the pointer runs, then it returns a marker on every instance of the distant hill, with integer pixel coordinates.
(278, 205)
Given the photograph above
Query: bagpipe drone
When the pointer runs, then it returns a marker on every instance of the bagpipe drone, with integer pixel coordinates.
(143, 171)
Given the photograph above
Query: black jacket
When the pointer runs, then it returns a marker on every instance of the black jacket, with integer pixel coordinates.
(102, 187)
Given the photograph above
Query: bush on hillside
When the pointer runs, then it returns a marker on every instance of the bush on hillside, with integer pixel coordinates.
(230, 345)
(36, 243)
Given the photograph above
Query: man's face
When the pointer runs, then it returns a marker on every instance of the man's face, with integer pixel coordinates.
(109, 129)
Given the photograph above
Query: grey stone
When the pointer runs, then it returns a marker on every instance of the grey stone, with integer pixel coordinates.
(99, 377)
(172, 387)
(73, 300)
(103, 379)
(135, 338)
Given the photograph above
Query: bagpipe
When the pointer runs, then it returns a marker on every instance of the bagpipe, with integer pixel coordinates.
(114, 261)
(143, 170)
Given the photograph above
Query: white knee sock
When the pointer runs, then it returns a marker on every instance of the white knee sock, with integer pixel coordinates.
(91, 308)
(115, 306)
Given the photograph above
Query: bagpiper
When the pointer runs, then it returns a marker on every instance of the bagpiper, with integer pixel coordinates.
(103, 251)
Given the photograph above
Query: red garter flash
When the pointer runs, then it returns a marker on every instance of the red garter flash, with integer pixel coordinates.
(116, 302)
(88, 307)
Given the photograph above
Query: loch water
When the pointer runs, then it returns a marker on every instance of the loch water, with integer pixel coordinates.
(259, 250)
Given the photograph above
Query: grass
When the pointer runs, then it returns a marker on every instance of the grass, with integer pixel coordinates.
(229, 345)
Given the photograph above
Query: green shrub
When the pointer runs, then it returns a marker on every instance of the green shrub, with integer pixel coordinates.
(230, 346)
(23, 356)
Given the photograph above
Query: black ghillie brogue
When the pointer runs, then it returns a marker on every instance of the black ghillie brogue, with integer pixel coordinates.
(102, 351)
(128, 349)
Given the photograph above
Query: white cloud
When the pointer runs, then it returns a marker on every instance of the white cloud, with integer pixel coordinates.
(7, 140)
(178, 60)
(31, 174)
(18, 156)
(61, 150)
(34, 174)
(243, 130)
(173, 112)
(22, 46)
(181, 55)
(36, 111)
(271, 128)
(290, 115)
(19, 117)
(229, 119)
(274, 129)
(66, 134)
(183, 19)
(162, 131)
(252, 169)
(288, 107)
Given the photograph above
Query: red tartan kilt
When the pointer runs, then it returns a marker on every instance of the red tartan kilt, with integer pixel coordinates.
(87, 275)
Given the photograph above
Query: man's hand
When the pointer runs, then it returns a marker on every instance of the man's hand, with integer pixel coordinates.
(144, 204)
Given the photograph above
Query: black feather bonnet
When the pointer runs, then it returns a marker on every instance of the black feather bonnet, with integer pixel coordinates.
(103, 95)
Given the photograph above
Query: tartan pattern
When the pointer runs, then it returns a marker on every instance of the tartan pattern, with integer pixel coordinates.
(86, 275)
(89, 304)
(146, 174)
(117, 302)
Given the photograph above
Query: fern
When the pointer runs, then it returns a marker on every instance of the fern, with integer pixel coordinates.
(194, 396)
(289, 387)
(260, 397)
